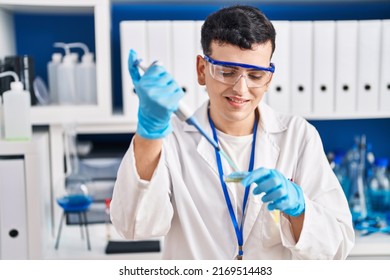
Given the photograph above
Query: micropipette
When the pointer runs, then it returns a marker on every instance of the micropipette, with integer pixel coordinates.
(184, 114)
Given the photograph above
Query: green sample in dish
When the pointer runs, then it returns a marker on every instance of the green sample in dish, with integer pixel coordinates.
(235, 177)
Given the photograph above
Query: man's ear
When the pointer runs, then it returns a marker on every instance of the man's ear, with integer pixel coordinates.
(200, 70)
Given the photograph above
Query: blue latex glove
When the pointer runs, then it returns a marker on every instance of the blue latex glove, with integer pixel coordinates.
(281, 193)
(158, 95)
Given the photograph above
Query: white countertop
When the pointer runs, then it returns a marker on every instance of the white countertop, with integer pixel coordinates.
(374, 245)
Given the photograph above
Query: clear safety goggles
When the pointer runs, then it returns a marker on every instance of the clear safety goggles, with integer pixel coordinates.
(230, 72)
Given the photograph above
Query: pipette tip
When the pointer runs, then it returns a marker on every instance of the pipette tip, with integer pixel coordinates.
(138, 63)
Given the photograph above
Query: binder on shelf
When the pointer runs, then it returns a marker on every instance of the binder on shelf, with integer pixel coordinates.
(384, 88)
(279, 89)
(184, 60)
(323, 67)
(159, 43)
(133, 35)
(301, 66)
(368, 65)
(346, 66)
(13, 210)
(202, 95)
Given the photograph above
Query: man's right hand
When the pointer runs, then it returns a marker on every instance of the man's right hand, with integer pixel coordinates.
(158, 95)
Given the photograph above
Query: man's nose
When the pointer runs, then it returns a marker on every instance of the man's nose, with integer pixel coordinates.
(241, 84)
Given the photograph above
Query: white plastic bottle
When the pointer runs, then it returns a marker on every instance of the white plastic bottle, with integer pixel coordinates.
(17, 112)
(86, 80)
(66, 78)
(75, 56)
(52, 71)
(85, 76)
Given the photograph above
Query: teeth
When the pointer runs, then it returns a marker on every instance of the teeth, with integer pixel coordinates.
(236, 100)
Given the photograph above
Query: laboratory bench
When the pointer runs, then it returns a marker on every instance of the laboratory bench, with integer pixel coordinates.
(373, 247)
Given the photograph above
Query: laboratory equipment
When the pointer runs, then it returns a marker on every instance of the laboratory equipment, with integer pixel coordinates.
(341, 173)
(356, 159)
(52, 74)
(235, 177)
(379, 187)
(360, 178)
(75, 199)
(75, 204)
(23, 66)
(85, 72)
(184, 114)
(66, 77)
(107, 202)
(41, 92)
(16, 110)
(74, 178)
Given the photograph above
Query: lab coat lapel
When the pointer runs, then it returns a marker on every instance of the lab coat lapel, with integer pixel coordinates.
(267, 154)
(205, 150)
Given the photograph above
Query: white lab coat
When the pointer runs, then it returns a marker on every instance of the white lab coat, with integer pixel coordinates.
(184, 200)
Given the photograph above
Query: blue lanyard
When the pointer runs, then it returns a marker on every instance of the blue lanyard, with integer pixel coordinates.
(238, 229)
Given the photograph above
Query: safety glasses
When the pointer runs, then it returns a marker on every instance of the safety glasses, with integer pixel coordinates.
(230, 72)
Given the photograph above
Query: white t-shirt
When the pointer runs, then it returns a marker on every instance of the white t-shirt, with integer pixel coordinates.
(238, 149)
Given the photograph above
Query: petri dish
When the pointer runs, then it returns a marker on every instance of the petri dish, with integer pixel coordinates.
(235, 177)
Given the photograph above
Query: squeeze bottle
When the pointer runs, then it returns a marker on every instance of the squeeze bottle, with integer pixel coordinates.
(85, 76)
(52, 73)
(66, 78)
(16, 110)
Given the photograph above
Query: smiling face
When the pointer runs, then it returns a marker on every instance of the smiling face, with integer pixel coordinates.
(232, 107)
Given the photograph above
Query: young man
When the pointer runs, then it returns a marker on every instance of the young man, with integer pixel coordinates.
(171, 180)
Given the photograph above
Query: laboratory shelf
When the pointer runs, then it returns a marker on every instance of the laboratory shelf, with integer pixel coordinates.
(115, 124)
(101, 11)
(47, 115)
(351, 116)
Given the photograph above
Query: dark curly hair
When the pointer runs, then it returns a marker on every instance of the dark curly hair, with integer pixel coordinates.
(238, 25)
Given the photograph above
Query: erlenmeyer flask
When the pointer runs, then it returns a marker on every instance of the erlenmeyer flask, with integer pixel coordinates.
(76, 183)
